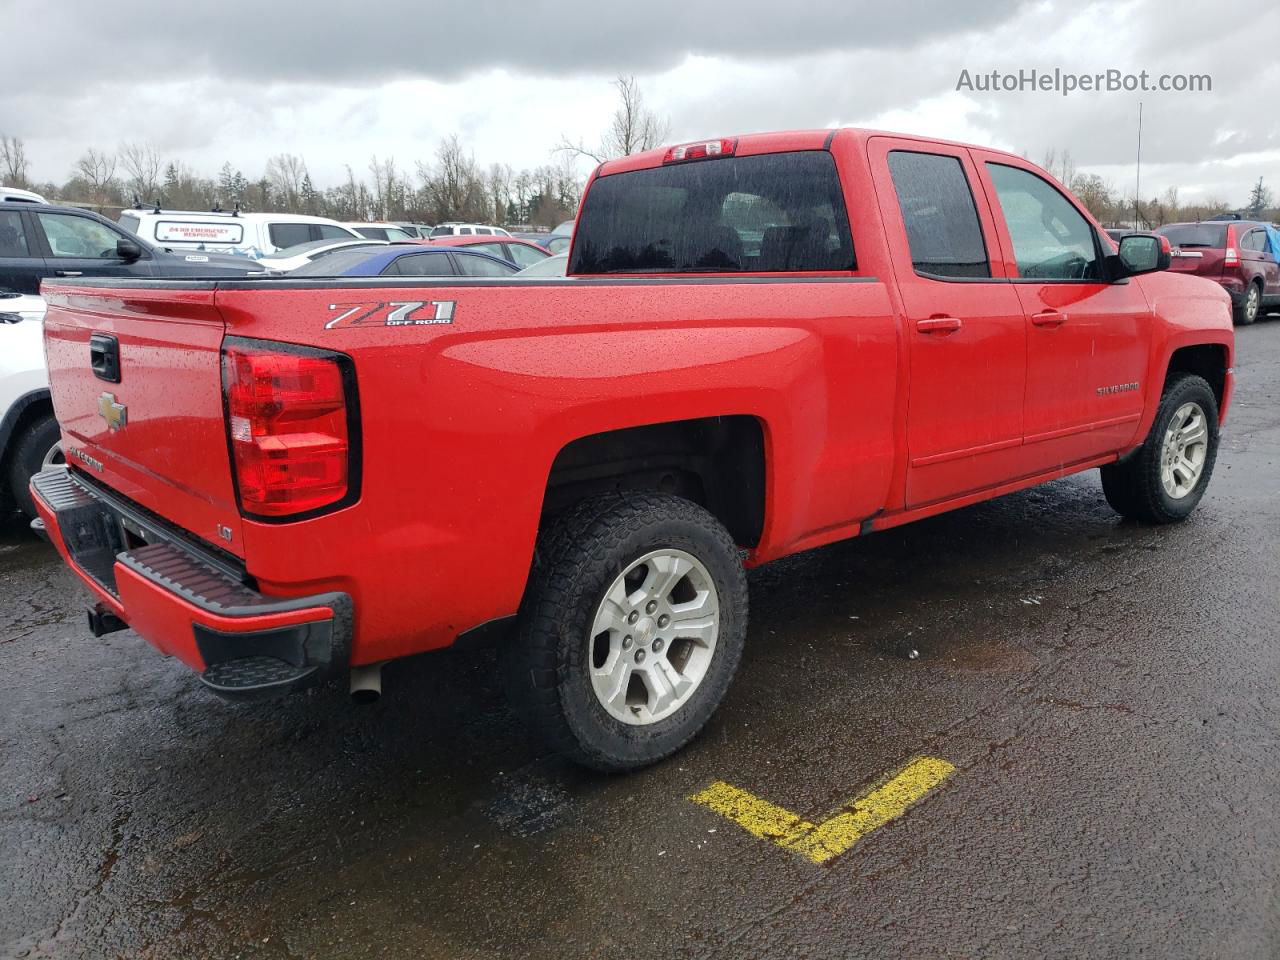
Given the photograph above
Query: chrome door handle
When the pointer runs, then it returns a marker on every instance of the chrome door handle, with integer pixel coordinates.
(69, 273)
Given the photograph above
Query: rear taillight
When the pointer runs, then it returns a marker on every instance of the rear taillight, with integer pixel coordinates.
(1232, 256)
(290, 425)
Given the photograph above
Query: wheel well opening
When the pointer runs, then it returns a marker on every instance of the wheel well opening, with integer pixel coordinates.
(1207, 360)
(717, 462)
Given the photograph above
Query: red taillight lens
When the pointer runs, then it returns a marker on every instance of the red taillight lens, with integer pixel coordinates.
(1231, 258)
(288, 424)
(703, 150)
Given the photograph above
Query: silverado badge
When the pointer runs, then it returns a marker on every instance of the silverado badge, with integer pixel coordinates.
(115, 413)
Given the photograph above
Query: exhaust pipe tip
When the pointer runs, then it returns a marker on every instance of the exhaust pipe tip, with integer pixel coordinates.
(366, 683)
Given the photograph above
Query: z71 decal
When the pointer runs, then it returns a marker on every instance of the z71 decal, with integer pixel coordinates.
(395, 313)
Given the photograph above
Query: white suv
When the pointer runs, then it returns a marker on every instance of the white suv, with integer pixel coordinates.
(247, 234)
(28, 433)
(15, 195)
(467, 230)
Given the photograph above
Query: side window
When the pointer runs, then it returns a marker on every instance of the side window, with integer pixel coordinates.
(287, 234)
(13, 236)
(1253, 240)
(482, 267)
(1051, 238)
(465, 231)
(421, 265)
(938, 211)
(524, 256)
(493, 249)
(329, 232)
(484, 230)
(71, 236)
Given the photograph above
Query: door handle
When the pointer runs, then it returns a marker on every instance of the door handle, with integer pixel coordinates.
(69, 273)
(1049, 318)
(939, 325)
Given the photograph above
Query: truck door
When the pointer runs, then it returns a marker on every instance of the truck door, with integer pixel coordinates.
(80, 246)
(1088, 340)
(21, 266)
(964, 328)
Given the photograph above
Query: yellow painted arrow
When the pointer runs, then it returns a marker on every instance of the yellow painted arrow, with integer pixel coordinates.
(821, 841)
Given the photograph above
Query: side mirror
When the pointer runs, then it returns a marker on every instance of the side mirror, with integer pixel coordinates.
(127, 249)
(1141, 253)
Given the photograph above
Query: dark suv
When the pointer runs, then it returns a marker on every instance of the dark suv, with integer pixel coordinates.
(1236, 254)
(40, 240)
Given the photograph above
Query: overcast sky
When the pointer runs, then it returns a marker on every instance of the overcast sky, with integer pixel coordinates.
(336, 83)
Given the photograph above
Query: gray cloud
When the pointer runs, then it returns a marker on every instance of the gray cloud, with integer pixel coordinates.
(360, 45)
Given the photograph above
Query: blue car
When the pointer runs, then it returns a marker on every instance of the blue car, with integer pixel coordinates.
(405, 260)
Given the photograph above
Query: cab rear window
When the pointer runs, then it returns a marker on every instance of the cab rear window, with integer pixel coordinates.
(778, 212)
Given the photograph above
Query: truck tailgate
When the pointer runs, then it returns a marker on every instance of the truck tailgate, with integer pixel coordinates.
(155, 431)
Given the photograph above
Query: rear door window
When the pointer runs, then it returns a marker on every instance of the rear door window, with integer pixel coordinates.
(287, 234)
(1051, 238)
(328, 231)
(939, 214)
(1254, 240)
(474, 266)
(780, 212)
(524, 256)
(421, 265)
(13, 235)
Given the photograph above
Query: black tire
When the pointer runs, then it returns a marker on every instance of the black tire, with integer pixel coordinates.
(1134, 488)
(29, 451)
(1249, 308)
(547, 662)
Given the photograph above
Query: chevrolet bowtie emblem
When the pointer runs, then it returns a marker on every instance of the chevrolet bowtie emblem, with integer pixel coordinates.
(116, 414)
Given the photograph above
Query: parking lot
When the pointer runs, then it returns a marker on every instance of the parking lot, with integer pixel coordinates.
(1107, 693)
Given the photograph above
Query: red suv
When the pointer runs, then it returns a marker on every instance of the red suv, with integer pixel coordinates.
(1236, 254)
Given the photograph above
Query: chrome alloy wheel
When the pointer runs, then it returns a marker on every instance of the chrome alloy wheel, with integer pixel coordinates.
(1186, 445)
(1252, 303)
(654, 636)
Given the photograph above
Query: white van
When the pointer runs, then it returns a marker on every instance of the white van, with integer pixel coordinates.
(247, 234)
(467, 230)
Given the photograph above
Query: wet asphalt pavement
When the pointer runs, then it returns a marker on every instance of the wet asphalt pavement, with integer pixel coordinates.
(1109, 693)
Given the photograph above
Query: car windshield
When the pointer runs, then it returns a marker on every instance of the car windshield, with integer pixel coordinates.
(1196, 234)
(336, 264)
(549, 267)
(298, 249)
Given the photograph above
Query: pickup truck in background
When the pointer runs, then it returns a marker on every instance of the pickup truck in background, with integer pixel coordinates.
(763, 345)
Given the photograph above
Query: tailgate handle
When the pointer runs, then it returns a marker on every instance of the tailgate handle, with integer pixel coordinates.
(104, 357)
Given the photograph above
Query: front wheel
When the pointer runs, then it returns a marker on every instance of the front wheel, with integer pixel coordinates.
(631, 629)
(1165, 479)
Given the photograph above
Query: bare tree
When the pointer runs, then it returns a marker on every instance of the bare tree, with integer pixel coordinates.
(13, 162)
(98, 171)
(634, 128)
(453, 187)
(144, 167)
(285, 173)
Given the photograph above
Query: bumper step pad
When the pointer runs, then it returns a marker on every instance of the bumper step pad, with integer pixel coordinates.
(250, 678)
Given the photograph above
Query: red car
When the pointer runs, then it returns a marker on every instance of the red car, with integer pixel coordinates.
(522, 253)
(1234, 253)
(764, 345)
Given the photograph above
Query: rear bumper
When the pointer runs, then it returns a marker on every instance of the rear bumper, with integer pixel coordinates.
(188, 602)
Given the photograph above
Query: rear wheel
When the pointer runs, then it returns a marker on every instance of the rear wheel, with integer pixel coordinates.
(38, 447)
(1246, 311)
(631, 630)
(1165, 479)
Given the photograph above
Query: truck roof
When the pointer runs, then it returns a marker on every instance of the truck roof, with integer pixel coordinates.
(757, 143)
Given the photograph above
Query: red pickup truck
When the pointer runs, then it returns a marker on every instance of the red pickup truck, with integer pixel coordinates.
(764, 344)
